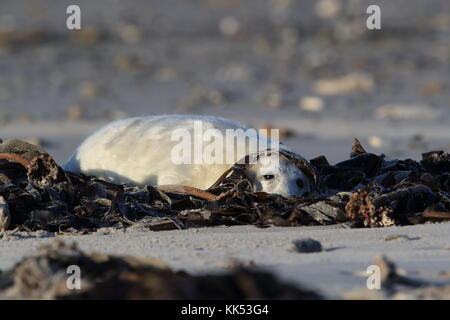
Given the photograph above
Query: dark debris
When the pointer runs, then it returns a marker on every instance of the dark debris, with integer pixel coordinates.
(366, 190)
(44, 276)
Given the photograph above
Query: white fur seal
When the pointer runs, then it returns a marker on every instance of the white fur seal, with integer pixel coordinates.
(147, 151)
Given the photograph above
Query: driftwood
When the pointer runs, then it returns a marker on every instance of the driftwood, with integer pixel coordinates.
(189, 191)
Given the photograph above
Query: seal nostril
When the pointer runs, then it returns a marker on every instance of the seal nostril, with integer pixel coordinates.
(300, 183)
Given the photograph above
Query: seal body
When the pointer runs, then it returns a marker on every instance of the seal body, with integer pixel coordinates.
(152, 150)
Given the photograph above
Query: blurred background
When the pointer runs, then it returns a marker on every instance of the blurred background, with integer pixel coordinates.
(309, 67)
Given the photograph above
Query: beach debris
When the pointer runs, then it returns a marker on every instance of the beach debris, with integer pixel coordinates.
(89, 90)
(375, 142)
(230, 26)
(392, 277)
(356, 148)
(45, 276)
(311, 104)
(327, 9)
(307, 245)
(400, 237)
(366, 190)
(130, 34)
(75, 112)
(350, 83)
(396, 284)
(44, 171)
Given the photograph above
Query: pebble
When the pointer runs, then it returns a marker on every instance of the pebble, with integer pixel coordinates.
(89, 90)
(129, 34)
(328, 8)
(375, 142)
(74, 112)
(311, 104)
(350, 83)
(307, 245)
(229, 26)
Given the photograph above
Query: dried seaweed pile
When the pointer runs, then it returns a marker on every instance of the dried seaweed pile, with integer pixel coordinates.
(44, 276)
(364, 191)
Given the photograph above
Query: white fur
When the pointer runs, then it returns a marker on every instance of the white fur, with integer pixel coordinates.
(138, 151)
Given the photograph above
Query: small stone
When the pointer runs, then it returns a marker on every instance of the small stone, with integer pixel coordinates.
(311, 104)
(307, 245)
(74, 112)
(375, 142)
(130, 34)
(326, 9)
(89, 90)
(229, 26)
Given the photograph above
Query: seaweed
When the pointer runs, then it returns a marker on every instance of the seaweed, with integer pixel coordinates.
(366, 190)
(44, 276)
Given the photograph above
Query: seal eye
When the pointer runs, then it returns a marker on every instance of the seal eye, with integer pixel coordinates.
(300, 183)
(268, 176)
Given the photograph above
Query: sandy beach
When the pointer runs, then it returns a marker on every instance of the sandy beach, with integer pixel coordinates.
(254, 64)
(422, 252)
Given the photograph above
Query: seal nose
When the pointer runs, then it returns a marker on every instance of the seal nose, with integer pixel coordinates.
(300, 183)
